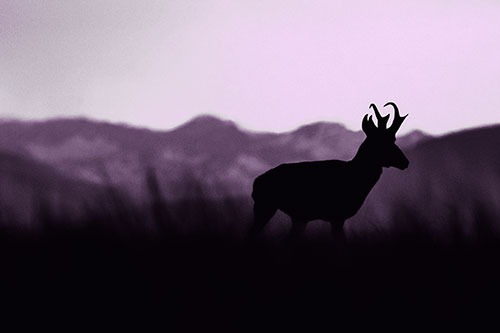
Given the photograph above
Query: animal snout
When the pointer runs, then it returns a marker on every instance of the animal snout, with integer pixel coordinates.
(404, 164)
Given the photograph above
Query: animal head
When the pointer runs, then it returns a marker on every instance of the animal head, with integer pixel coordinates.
(381, 141)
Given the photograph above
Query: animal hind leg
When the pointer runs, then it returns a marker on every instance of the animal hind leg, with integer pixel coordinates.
(262, 213)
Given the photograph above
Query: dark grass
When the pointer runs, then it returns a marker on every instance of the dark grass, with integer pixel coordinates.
(186, 266)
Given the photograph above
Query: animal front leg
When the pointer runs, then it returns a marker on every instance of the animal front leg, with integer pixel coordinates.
(298, 229)
(337, 231)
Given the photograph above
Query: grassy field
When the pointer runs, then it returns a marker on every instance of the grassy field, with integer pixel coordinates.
(186, 265)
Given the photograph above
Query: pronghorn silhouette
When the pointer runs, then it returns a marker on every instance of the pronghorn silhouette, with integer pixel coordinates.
(330, 190)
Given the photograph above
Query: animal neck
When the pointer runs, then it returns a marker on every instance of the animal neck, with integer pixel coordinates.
(367, 162)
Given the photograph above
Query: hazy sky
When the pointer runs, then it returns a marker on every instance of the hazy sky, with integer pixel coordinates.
(268, 65)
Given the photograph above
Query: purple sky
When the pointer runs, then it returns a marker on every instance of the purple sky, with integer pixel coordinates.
(268, 65)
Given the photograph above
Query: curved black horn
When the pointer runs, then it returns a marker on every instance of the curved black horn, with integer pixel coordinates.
(398, 120)
(382, 121)
(368, 125)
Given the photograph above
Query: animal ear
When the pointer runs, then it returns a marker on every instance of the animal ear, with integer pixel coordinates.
(368, 125)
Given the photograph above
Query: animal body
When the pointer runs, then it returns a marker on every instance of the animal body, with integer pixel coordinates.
(330, 190)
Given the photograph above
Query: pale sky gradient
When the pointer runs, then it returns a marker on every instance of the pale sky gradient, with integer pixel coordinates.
(268, 65)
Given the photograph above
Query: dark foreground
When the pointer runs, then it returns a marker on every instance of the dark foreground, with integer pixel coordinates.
(186, 266)
(195, 282)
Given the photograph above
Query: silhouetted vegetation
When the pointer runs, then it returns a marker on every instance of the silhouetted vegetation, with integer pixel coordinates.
(185, 264)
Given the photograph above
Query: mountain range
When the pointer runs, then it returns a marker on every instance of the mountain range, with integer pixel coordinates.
(453, 177)
(216, 153)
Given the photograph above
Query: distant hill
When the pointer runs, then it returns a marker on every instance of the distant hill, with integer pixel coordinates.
(215, 152)
(26, 185)
(455, 178)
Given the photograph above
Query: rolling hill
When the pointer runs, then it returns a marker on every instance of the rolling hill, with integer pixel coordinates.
(452, 182)
(451, 185)
(216, 153)
(26, 185)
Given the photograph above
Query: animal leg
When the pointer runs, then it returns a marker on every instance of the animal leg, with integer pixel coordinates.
(337, 230)
(298, 229)
(262, 213)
